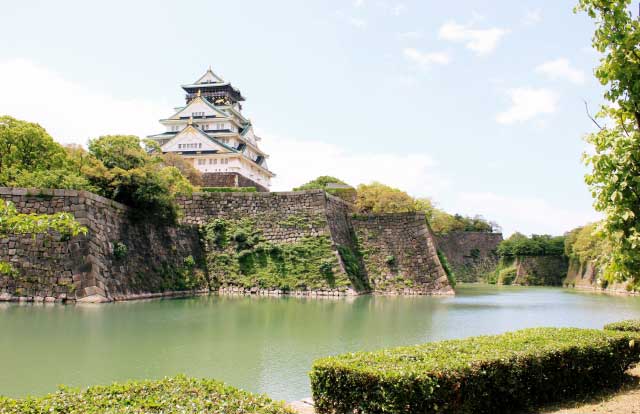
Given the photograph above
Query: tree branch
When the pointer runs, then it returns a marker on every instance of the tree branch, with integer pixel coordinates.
(586, 107)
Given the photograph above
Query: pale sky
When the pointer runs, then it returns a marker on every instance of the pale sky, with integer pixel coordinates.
(475, 104)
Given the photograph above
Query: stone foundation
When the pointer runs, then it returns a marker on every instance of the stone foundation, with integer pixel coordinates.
(228, 179)
(87, 268)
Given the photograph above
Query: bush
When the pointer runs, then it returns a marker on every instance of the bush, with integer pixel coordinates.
(487, 374)
(632, 325)
(120, 250)
(170, 395)
(507, 275)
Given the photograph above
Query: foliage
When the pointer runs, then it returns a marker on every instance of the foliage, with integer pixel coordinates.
(487, 374)
(120, 250)
(7, 270)
(376, 198)
(116, 167)
(342, 190)
(168, 396)
(632, 325)
(505, 272)
(587, 244)
(615, 160)
(442, 222)
(12, 222)
(128, 174)
(239, 255)
(29, 157)
(507, 275)
(228, 189)
(352, 261)
(319, 183)
(451, 276)
(191, 173)
(118, 151)
(536, 245)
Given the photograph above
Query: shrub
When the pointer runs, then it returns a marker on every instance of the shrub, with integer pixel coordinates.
(632, 325)
(486, 374)
(120, 250)
(507, 275)
(170, 395)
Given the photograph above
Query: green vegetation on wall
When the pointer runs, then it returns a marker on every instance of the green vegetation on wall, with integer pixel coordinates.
(187, 276)
(59, 225)
(239, 255)
(447, 269)
(485, 374)
(504, 274)
(170, 395)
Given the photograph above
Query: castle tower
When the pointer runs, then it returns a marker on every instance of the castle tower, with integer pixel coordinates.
(211, 133)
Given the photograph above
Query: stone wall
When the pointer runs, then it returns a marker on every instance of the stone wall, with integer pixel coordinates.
(87, 267)
(230, 179)
(586, 276)
(541, 270)
(470, 254)
(400, 255)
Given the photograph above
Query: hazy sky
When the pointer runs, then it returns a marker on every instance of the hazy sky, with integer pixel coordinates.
(476, 104)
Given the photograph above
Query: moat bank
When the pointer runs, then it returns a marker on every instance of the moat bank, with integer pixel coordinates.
(261, 344)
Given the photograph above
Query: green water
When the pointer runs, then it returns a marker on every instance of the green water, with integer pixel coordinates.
(264, 345)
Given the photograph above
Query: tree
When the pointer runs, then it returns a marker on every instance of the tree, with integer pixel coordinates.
(25, 146)
(320, 183)
(614, 179)
(125, 172)
(119, 151)
(186, 168)
(379, 198)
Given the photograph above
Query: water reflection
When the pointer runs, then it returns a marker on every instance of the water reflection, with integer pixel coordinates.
(264, 344)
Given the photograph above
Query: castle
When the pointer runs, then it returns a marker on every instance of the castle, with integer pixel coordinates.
(213, 135)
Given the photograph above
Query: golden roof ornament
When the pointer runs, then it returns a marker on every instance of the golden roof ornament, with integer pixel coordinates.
(199, 92)
(190, 121)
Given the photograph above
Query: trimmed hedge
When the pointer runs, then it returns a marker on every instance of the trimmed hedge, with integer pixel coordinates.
(485, 374)
(632, 325)
(170, 395)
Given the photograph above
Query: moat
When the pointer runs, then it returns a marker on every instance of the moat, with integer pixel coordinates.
(261, 344)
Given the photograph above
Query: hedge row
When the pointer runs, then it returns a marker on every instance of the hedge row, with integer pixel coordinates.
(486, 374)
(627, 326)
(171, 395)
